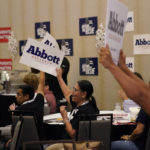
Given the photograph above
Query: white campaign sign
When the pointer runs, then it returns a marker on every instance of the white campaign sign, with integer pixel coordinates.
(130, 63)
(50, 41)
(130, 22)
(142, 44)
(116, 19)
(41, 57)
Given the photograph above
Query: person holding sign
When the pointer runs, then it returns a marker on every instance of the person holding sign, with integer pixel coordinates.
(134, 87)
(83, 103)
(54, 85)
(28, 100)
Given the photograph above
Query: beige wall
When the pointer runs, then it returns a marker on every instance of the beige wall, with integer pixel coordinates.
(64, 16)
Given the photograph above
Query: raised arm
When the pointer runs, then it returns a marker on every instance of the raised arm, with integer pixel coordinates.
(66, 91)
(124, 68)
(137, 91)
(41, 83)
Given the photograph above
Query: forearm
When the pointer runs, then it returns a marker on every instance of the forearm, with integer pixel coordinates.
(66, 91)
(126, 82)
(137, 131)
(42, 77)
(41, 83)
(69, 128)
(132, 75)
(134, 89)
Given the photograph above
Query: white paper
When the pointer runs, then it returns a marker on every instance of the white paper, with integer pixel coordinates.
(41, 57)
(141, 44)
(116, 12)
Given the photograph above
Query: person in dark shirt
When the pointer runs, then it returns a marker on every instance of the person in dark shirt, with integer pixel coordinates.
(28, 100)
(82, 102)
(137, 139)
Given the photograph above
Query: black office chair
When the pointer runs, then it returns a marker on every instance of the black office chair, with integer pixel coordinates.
(148, 141)
(99, 130)
(29, 130)
(16, 135)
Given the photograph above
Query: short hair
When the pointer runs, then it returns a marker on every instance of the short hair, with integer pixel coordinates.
(32, 80)
(27, 90)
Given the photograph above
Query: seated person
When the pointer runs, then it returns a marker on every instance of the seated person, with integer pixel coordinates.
(83, 103)
(27, 102)
(137, 139)
(50, 98)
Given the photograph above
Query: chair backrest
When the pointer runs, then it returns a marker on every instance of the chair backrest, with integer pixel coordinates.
(16, 135)
(148, 141)
(99, 129)
(29, 131)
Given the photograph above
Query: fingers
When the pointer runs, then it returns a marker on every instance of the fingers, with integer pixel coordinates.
(62, 108)
(104, 53)
(107, 46)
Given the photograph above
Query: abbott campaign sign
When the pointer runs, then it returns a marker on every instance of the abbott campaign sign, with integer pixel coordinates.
(142, 44)
(41, 57)
(116, 19)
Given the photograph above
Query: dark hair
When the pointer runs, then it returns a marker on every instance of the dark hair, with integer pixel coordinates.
(138, 75)
(86, 86)
(27, 90)
(65, 66)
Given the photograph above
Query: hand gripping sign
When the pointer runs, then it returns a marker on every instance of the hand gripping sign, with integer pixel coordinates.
(41, 56)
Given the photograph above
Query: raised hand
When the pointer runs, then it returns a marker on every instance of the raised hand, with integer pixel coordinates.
(63, 112)
(125, 137)
(105, 57)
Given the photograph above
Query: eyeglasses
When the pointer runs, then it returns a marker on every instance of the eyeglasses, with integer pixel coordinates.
(74, 89)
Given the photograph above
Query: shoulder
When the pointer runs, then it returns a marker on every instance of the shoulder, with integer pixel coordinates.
(87, 109)
(39, 96)
(142, 117)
